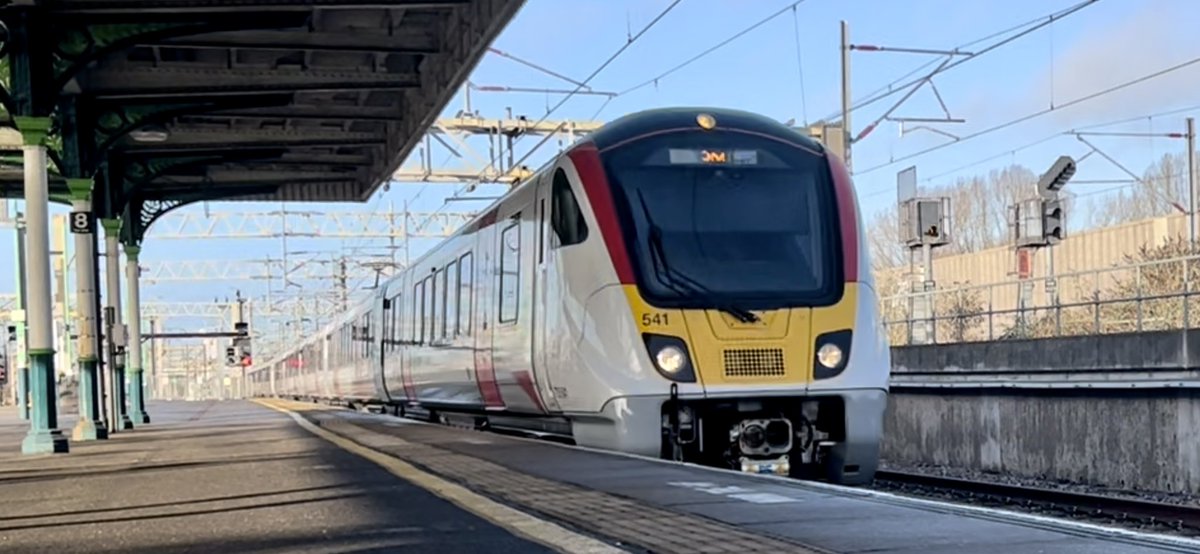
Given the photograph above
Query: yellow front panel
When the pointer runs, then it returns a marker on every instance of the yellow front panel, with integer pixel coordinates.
(839, 316)
(776, 350)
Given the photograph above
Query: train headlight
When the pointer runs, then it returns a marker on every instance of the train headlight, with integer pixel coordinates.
(829, 355)
(833, 351)
(670, 359)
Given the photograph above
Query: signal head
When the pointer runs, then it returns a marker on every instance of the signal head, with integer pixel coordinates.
(1056, 177)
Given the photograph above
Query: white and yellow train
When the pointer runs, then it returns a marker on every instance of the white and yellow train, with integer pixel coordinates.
(691, 284)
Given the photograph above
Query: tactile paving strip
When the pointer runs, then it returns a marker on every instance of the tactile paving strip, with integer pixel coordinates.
(628, 521)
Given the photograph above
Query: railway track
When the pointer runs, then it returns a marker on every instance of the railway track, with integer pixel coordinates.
(1180, 518)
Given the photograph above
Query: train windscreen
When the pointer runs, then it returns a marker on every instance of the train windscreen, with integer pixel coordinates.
(726, 219)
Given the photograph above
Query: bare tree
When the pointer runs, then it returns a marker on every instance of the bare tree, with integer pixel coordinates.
(883, 237)
(1163, 188)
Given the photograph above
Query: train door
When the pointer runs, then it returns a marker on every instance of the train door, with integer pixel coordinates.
(484, 297)
(545, 303)
(382, 345)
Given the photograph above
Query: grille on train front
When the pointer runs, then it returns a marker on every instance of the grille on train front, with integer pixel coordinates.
(754, 362)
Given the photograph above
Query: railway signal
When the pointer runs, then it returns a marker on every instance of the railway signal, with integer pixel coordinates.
(1056, 177)
(1041, 222)
(1054, 225)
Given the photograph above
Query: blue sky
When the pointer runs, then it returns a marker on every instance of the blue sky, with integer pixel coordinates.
(1105, 44)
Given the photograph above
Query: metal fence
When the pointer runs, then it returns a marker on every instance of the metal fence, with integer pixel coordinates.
(1148, 296)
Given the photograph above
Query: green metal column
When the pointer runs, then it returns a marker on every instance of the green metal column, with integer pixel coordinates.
(44, 436)
(89, 426)
(137, 408)
(112, 261)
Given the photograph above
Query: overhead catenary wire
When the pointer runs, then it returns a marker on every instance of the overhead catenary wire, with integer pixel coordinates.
(1058, 134)
(1038, 23)
(1038, 113)
(800, 65)
(711, 49)
(892, 87)
(628, 42)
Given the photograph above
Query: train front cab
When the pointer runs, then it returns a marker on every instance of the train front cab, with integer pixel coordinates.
(740, 257)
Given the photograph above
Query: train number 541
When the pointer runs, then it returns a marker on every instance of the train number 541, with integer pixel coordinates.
(649, 319)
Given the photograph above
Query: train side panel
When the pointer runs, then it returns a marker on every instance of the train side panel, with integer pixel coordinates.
(440, 358)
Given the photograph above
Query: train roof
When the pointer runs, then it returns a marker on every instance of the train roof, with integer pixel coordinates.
(640, 123)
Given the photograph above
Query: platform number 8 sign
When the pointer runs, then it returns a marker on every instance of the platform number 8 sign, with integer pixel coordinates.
(81, 222)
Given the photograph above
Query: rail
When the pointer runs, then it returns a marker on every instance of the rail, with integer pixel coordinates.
(1178, 517)
(1147, 296)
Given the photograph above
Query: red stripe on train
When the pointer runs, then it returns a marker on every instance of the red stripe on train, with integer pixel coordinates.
(485, 375)
(410, 390)
(847, 205)
(525, 379)
(587, 162)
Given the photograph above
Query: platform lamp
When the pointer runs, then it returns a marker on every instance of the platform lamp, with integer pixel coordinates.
(153, 132)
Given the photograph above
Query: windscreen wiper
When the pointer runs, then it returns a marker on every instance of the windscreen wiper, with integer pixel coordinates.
(676, 280)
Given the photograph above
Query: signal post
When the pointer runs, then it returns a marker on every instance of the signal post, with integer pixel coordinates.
(924, 225)
(1040, 222)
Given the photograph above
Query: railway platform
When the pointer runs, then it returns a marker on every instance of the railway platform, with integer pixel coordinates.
(283, 476)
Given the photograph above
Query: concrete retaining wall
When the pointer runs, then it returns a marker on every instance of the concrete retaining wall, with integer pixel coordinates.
(1147, 440)
(1144, 351)
(992, 407)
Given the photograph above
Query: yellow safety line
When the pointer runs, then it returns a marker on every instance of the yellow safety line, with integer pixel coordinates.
(519, 523)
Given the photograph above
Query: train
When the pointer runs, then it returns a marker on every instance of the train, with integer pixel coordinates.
(685, 283)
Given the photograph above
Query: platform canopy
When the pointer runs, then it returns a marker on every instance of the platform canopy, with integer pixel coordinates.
(170, 102)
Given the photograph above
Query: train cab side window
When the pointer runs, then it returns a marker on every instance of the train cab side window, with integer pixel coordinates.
(510, 271)
(466, 275)
(565, 216)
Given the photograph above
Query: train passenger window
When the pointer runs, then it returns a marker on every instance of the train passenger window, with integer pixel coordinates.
(428, 310)
(510, 271)
(443, 310)
(366, 332)
(438, 303)
(396, 320)
(385, 332)
(565, 216)
(541, 230)
(419, 313)
(451, 292)
(466, 275)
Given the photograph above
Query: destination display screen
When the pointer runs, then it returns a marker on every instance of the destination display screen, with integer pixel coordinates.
(698, 156)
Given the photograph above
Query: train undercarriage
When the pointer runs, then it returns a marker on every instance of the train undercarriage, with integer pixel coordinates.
(787, 436)
(776, 435)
